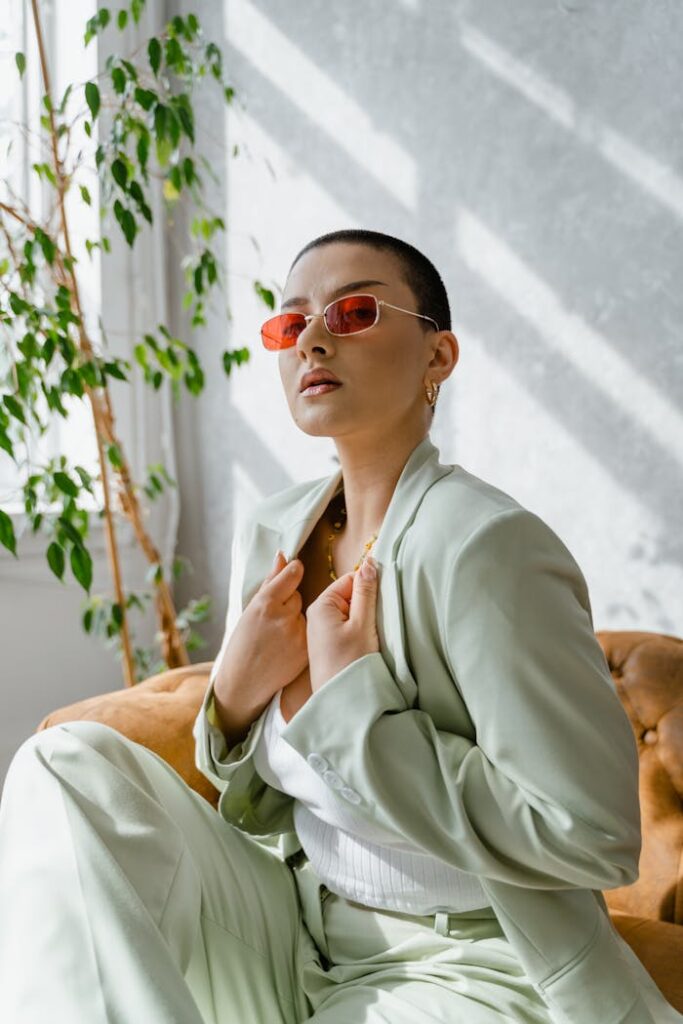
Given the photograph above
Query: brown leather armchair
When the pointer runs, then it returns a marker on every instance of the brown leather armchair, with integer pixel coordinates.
(648, 672)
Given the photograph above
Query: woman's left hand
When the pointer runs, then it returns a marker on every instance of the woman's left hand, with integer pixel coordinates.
(341, 625)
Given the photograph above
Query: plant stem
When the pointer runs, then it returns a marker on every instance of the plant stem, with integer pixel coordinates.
(174, 651)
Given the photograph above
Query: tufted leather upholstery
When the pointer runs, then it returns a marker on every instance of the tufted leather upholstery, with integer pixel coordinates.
(648, 672)
(158, 713)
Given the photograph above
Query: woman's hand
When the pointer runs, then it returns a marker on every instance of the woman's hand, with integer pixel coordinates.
(341, 624)
(295, 694)
(266, 650)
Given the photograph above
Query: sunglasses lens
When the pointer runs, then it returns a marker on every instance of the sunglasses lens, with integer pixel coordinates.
(282, 331)
(345, 316)
(351, 314)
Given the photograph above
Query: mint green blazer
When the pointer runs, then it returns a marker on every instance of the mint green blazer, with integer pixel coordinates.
(487, 730)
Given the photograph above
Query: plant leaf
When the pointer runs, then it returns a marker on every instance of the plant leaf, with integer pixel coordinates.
(119, 173)
(81, 565)
(66, 484)
(70, 530)
(154, 54)
(15, 407)
(55, 559)
(118, 80)
(145, 97)
(114, 455)
(7, 537)
(92, 96)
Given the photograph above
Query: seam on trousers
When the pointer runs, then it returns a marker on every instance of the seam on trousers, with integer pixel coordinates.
(67, 786)
(264, 956)
(219, 924)
(48, 765)
(170, 888)
(549, 980)
(212, 990)
(298, 965)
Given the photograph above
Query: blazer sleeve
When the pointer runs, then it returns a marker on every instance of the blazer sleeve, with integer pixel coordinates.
(246, 800)
(547, 795)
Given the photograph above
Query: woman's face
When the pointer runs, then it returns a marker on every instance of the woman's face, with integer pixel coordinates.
(382, 370)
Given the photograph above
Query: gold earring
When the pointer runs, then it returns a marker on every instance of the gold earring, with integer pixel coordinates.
(432, 392)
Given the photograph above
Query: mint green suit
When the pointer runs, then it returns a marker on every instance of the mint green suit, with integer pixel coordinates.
(487, 730)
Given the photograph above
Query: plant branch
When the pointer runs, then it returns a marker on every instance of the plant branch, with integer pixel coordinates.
(175, 651)
(160, 116)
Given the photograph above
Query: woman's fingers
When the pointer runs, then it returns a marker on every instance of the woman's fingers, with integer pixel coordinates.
(294, 603)
(278, 562)
(338, 593)
(354, 595)
(364, 595)
(284, 577)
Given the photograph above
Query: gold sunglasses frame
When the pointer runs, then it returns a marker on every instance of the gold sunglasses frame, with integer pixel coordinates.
(346, 334)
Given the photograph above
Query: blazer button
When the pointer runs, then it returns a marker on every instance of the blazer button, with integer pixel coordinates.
(351, 795)
(318, 763)
(332, 779)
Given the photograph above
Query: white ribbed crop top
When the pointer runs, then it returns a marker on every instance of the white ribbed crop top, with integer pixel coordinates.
(353, 859)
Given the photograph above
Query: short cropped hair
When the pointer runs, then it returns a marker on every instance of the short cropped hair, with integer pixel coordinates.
(418, 272)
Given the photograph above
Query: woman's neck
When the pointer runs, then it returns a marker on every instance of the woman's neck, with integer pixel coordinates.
(367, 485)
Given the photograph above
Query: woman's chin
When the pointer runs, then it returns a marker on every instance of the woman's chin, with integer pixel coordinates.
(321, 420)
(317, 427)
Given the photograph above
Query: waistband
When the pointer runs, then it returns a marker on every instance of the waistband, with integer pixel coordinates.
(442, 921)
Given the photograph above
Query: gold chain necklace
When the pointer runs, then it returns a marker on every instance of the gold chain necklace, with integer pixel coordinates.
(337, 527)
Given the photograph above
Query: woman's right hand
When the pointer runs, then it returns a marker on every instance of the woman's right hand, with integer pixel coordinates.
(266, 651)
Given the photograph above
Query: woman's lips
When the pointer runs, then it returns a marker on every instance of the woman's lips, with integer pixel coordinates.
(320, 389)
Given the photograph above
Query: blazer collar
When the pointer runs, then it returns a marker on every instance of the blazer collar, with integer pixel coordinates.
(296, 523)
(420, 471)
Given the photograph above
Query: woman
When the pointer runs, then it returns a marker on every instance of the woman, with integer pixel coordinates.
(426, 775)
(450, 771)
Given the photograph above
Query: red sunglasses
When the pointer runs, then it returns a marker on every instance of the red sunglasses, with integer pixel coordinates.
(352, 314)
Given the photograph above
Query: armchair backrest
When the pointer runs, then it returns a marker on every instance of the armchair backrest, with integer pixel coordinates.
(648, 671)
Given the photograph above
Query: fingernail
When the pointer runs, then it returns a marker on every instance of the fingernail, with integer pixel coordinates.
(277, 554)
(368, 568)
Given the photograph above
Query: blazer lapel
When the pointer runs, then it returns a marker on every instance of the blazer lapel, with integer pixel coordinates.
(296, 523)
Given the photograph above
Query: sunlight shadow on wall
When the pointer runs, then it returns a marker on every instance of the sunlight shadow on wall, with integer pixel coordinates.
(650, 174)
(580, 345)
(514, 439)
(334, 112)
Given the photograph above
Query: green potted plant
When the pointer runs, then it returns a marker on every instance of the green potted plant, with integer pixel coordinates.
(47, 350)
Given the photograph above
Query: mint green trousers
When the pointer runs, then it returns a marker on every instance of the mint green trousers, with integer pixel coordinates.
(125, 897)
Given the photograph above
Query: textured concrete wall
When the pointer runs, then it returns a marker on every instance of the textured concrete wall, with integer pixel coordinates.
(533, 151)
